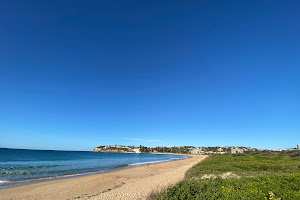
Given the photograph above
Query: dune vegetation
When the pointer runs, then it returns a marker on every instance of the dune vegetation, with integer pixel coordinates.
(267, 175)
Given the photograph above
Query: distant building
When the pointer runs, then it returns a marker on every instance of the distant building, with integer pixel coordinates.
(236, 150)
(136, 150)
(196, 151)
(298, 146)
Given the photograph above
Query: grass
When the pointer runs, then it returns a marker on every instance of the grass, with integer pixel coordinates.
(246, 165)
(260, 176)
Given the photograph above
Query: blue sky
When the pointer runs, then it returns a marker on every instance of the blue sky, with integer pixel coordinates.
(78, 74)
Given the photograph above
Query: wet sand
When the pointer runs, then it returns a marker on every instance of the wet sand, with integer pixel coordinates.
(132, 183)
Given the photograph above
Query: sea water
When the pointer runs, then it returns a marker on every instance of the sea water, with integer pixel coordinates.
(18, 166)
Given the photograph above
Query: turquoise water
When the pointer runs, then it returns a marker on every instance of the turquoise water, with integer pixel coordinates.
(23, 166)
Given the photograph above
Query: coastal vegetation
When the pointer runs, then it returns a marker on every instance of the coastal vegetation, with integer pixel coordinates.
(174, 149)
(256, 175)
(113, 149)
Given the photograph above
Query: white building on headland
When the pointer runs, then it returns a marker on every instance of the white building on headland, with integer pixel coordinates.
(298, 146)
(136, 150)
(236, 150)
(197, 151)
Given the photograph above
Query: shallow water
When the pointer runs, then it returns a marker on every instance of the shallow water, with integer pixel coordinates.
(21, 166)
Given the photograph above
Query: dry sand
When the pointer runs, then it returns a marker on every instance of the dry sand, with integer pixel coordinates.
(132, 183)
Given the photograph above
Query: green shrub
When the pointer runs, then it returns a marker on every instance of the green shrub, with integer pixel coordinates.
(260, 187)
(266, 176)
(246, 165)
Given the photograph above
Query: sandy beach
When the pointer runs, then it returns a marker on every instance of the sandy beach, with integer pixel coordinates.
(132, 183)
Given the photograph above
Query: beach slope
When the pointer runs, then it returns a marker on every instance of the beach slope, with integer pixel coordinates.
(132, 183)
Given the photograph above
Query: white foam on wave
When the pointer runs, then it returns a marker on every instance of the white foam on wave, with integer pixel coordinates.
(150, 162)
(3, 181)
(64, 176)
(153, 162)
(50, 178)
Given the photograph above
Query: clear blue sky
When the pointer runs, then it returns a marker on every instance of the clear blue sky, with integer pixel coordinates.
(78, 74)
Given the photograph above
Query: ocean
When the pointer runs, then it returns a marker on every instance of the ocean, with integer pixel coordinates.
(19, 166)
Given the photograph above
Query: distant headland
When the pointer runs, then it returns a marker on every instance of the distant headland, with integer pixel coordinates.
(183, 149)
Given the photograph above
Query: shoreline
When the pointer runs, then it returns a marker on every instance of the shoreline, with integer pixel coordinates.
(12, 184)
(144, 179)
